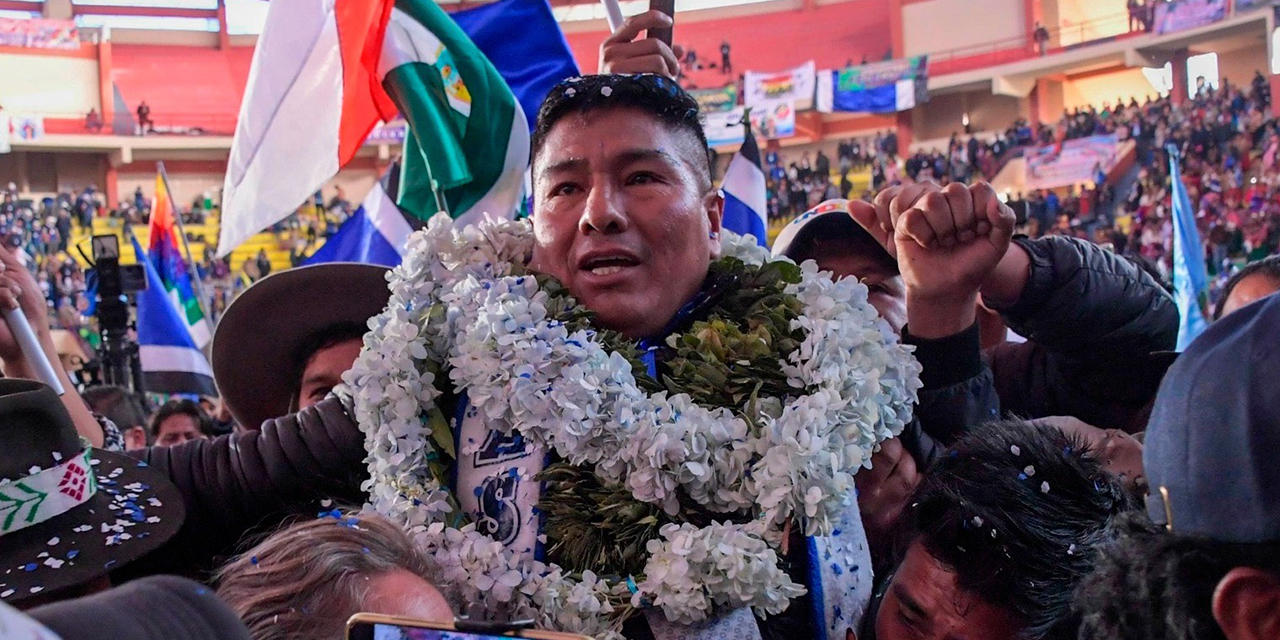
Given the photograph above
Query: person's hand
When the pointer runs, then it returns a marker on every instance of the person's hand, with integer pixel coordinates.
(622, 53)
(950, 239)
(18, 289)
(883, 491)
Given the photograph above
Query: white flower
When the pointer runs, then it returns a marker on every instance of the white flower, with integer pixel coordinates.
(465, 312)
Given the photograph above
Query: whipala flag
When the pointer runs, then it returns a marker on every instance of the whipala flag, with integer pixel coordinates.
(375, 234)
(1190, 278)
(745, 199)
(175, 275)
(171, 362)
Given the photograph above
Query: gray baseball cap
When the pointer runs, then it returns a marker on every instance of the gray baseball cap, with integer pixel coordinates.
(1213, 442)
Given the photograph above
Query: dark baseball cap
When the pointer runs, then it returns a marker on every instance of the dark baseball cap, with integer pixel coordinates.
(154, 608)
(1212, 443)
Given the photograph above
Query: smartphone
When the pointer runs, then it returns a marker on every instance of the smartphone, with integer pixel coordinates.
(668, 7)
(372, 626)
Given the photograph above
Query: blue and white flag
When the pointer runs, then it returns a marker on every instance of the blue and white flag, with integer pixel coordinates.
(1190, 278)
(524, 42)
(745, 197)
(171, 362)
(375, 234)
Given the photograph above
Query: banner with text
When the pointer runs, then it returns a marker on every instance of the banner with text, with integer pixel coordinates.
(879, 87)
(37, 33)
(1188, 14)
(712, 100)
(794, 85)
(768, 122)
(1075, 162)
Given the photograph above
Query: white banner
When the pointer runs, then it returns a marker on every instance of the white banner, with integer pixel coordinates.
(794, 85)
(768, 122)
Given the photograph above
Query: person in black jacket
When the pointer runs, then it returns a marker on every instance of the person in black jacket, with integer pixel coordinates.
(1097, 327)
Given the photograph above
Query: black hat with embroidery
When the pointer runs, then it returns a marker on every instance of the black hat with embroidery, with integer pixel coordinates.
(69, 513)
(1210, 447)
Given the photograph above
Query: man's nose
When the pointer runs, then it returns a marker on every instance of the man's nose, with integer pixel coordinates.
(604, 212)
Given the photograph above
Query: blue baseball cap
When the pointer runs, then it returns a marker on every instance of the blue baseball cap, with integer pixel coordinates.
(1212, 447)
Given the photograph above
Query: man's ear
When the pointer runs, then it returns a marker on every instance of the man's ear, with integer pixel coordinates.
(1246, 604)
(713, 204)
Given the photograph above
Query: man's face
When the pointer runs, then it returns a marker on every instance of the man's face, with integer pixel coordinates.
(324, 371)
(1254, 287)
(623, 215)
(177, 429)
(924, 603)
(886, 290)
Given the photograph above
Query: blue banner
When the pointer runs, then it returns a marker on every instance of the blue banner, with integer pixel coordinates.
(881, 87)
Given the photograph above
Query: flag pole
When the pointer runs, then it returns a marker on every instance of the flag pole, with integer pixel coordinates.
(182, 233)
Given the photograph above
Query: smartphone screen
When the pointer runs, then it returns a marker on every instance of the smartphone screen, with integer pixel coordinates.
(385, 631)
(397, 632)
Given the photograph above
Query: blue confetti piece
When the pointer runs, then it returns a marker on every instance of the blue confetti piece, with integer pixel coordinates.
(253, 560)
(332, 513)
(29, 567)
(144, 534)
(141, 463)
(477, 491)
(836, 569)
(1066, 451)
(365, 549)
(835, 533)
(201, 591)
(72, 554)
(631, 584)
(1022, 476)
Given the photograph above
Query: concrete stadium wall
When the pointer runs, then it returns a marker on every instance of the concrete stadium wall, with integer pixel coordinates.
(48, 85)
(944, 25)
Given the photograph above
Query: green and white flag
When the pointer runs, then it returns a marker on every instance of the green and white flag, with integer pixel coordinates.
(468, 144)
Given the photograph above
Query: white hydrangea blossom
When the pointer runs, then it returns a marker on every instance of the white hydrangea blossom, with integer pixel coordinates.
(463, 305)
(692, 572)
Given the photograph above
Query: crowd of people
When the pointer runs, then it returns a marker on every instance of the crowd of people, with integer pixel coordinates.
(1081, 481)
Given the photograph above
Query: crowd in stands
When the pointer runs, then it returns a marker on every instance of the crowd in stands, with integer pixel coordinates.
(1226, 137)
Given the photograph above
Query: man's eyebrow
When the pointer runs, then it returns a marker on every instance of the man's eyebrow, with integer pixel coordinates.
(908, 602)
(637, 155)
(624, 157)
(563, 165)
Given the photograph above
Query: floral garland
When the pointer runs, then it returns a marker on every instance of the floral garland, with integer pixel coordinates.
(466, 315)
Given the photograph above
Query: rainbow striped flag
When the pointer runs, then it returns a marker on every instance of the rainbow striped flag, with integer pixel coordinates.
(164, 251)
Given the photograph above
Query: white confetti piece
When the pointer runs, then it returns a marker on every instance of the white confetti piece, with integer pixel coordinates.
(153, 519)
(1071, 550)
(1030, 471)
(54, 562)
(37, 589)
(1015, 450)
(154, 502)
(57, 457)
(1044, 487)
(324, 503)
(43, 555)
(54, 540)
(7, 593)
(977, 521)
(570, 92)
(606, 91)
(82, 528)
(33, 470)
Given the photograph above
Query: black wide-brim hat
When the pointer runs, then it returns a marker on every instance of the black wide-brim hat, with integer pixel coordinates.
(257, 339)
(125, 509)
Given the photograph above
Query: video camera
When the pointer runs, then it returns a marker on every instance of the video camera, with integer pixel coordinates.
(116, 282)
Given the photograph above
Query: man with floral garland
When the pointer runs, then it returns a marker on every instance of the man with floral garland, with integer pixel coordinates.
(626, 217)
